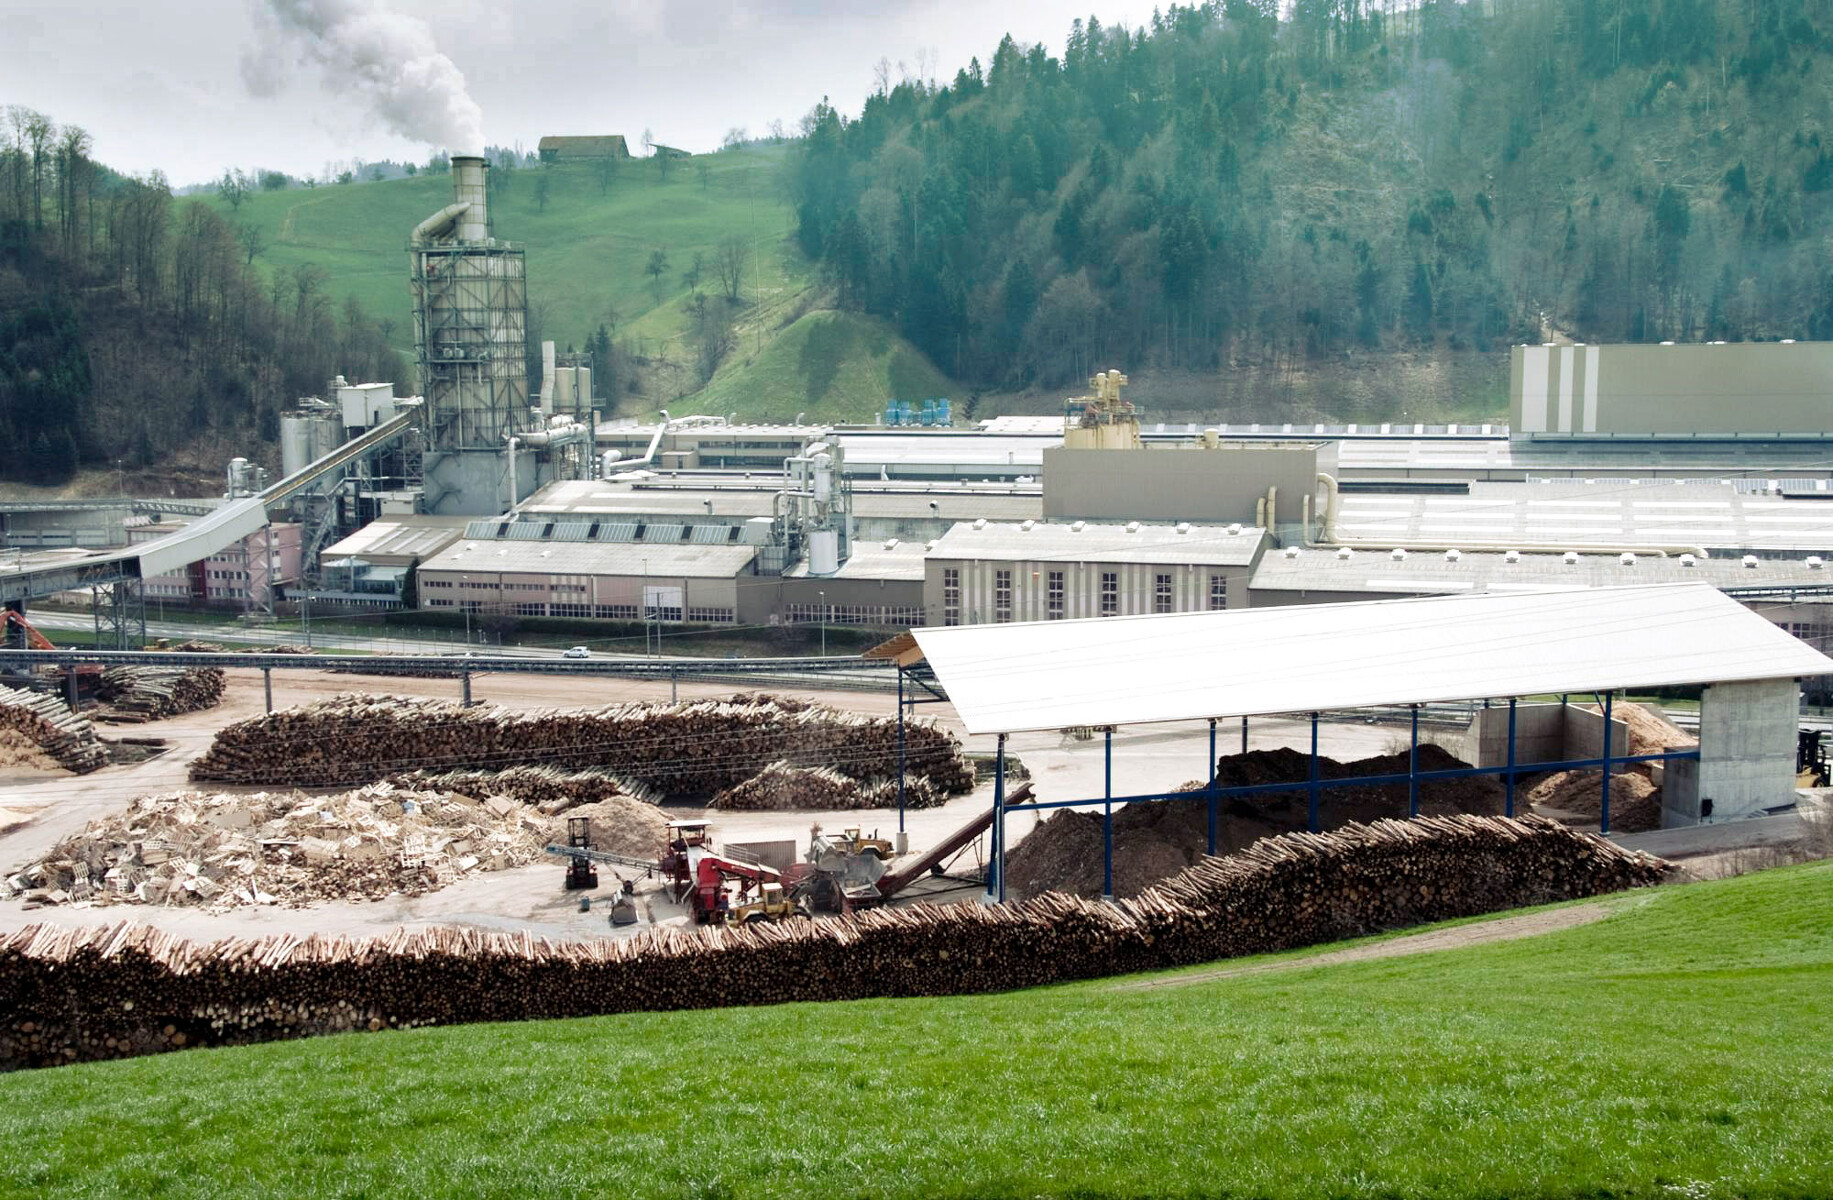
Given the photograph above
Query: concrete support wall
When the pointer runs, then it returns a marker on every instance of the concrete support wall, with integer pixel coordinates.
(1746, 752)
(1543, 733)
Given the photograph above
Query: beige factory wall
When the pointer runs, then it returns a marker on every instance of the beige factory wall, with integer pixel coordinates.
(866, 602)
(1183, 483)
(1741, 388)
(1137, 586)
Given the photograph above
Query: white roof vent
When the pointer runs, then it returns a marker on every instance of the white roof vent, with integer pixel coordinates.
(980, 522)
(890, 543)
(1345, 553)
(1027, 524)
(1511, 557)
(1628, 559)
(929, 545)
(1814, 562)
(1750, 561)
(1291, 551)
(1183, 526)
(1132, 526)
(1397, 554)
(1453, 555)
(1689, 560)
(1234, 528)
(1570, 558)
(1078, 527)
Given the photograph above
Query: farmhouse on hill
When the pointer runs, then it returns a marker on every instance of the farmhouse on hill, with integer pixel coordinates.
(556, 149)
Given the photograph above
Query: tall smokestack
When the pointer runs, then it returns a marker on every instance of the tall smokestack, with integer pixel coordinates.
(468, 188)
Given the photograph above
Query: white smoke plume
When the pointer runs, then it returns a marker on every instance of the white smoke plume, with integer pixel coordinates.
(387, 60)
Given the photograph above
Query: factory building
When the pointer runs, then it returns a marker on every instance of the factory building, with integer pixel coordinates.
(699, 584)
(1771, 390)
(984, 572)
(250, 574)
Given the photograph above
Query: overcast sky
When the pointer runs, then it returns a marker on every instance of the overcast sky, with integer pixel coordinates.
(169, 86)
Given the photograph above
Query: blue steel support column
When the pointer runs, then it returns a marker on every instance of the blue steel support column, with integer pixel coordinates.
(1604, 809)
(900, 747)
(996, 861)
(1508, 780)
(1107, 818)
(1413, 768)
(1244, 735)
(1212, 785)
(1311, 821)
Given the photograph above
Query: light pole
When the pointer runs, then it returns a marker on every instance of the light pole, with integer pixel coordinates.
(305, 608)
(823, 597)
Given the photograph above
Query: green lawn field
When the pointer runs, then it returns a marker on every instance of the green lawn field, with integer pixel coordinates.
(588, 249)
(1678, 1048)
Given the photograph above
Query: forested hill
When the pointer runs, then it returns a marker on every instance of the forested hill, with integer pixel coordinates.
(1229, 191)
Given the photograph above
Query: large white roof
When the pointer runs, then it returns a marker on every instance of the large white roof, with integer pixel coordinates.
(1308, 658)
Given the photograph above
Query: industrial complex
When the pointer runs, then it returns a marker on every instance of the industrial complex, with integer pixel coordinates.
(1651, 518)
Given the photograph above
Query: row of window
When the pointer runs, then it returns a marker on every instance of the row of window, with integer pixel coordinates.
(869, 615)
(1056, 594)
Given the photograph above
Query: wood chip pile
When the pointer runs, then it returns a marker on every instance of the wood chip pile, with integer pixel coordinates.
(152, 693)
(1158, 839)
(549, 790)
(687, 750)
(231, 851)
(1635, 803)
(134, 989)
(49, 724)
(18, 750)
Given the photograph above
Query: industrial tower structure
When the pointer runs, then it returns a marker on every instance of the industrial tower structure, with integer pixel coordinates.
(470, 344)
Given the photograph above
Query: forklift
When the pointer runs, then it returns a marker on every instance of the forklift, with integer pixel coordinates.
(1811, 758)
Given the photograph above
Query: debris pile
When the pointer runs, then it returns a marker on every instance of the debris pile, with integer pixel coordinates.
(131, 989)
(227, 851)
(1635, 803)
(18, 750)
(688, 750)
(134, 694)
(547, 789)
(48, 723)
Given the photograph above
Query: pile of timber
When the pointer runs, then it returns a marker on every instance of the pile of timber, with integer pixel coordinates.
(48, 723)
(783, 786)
(387, 662)
(196, 647)
(231, 851)
(549, 790)
(134, 989)
(152, 693)
(686, 750)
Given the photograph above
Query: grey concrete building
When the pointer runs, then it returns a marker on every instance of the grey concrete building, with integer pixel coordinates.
(1718, 389)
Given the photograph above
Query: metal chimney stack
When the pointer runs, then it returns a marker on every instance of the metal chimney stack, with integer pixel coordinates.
(468, 187)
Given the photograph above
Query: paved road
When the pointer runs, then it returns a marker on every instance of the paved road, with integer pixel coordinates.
(257, 635)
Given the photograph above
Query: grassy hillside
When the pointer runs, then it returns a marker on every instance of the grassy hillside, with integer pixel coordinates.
(840, 365)
(588, 249)
(1668, 1050)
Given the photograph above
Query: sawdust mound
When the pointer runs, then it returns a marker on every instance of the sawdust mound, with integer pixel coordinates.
(624, 825)
(1635, 803)
(1156, 840)
(18, 750)
(1650, 732)
(285, 849)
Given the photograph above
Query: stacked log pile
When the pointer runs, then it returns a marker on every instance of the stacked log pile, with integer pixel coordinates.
(48, 723)
(152, 693)
(132, 989)
(783, 786)
(549, 790)
(230, 851)
(688, 750)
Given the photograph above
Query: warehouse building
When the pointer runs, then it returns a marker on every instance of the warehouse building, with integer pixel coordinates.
(251, 573)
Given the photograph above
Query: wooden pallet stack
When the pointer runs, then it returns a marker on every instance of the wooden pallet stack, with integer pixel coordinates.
(48, 722)
(688, 750)
(132, 989)
(133, 694)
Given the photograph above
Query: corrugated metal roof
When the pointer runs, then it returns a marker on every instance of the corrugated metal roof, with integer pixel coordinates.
(591, 558)
(1209, 545)
(1427, 572)
(1321, 657)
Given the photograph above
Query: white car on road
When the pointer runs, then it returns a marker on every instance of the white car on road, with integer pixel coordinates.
(577, 652)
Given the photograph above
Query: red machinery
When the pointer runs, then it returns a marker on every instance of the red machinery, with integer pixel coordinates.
(700, 875)
(34, 640)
